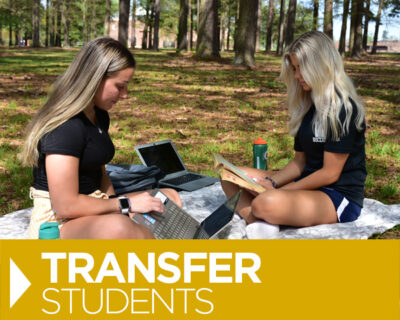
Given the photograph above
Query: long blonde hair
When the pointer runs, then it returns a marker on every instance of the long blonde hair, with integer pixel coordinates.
(322, 69)
(74, 90)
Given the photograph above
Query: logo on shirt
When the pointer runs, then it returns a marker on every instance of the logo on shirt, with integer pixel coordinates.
(319, 134)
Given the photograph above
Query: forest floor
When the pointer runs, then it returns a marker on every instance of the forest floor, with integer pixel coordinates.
(204, 107)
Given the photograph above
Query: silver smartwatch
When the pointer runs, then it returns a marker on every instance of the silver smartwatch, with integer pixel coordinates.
(124, 205)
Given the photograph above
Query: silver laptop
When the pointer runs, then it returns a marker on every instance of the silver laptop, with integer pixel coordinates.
(176, 223)
(164, 155)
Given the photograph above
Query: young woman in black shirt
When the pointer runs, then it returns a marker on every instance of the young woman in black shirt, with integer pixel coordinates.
(68, 145)
(324, 183)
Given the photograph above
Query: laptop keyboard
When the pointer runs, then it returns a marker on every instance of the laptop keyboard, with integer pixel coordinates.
(183, 179)
(177, 225)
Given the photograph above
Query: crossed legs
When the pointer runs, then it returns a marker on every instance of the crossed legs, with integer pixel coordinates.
(298, 208)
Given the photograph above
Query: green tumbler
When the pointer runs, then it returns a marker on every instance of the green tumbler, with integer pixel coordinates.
(49, 230)
(260, 149)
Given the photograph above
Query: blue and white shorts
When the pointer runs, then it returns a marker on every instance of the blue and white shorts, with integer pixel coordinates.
(346, 210)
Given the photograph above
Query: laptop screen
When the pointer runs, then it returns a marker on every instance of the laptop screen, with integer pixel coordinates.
(217, 220)
(163, 156)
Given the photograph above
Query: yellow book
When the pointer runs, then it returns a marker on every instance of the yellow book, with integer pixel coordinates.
(231, 173)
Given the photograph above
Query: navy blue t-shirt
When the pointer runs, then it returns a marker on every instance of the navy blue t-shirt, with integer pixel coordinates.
(80, 138)
(352, 179)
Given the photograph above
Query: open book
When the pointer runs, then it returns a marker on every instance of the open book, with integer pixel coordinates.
(231, 173)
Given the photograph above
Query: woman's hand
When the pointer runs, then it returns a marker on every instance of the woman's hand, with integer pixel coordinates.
(144, 202)
(264, 183)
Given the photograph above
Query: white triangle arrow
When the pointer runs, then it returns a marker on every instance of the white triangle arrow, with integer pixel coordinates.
(18, 283)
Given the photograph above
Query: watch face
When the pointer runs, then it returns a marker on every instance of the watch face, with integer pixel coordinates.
(124, 203)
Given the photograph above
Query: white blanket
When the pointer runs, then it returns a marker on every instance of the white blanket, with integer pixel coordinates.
(375, 218)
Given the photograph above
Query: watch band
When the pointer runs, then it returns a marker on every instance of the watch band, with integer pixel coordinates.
(124, 205)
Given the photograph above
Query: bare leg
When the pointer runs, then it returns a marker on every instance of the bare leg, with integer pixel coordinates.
(107, 226)
(299, 208)
(244, 204)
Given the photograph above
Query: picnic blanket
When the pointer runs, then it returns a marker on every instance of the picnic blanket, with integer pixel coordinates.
(376, 217)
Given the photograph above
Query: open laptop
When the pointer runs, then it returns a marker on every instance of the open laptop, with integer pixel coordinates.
(176, 223)
(164, 155)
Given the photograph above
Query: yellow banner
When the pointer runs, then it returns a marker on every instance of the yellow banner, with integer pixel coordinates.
(199, 279)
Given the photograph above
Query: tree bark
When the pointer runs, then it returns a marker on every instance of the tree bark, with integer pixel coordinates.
(366, 23)
(123, 22)
(107, 18)
(133, 25)
(182, 27)
(1, 34)
(67, 23)
(146, 26)
(150, 43)
(36, 23)
(157, 8)
(191, 14)
(47, 23)
(246, 34)
(258, 37)
(377, 23)
(328, 18)
(291, 22)
(342, 41)
(271, 13)
(279, 48)
(228, 36)
(208, 35)
(357, 45)
(58, 24)
(315, 15)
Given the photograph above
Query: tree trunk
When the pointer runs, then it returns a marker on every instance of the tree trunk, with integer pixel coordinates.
(279, 48)
(107, 18)
(357, 45)
(52, 23)
(377, 23)
(291, 22)
(17, 34)
(151, 21)
(208, 35)
(146, 26)
(342, 41)
(10, 35)
(228, 36)
(133, 25)
(222, 36)
(123, 22)
(35, 23)
(315, 15)
(47, 23)
(191, 14)
(246, 34)
(328, 18)
(58, 28)
(258, 37)
(157, 8)
(182, 28)
(67, 23)
(1, 34)
(366, 23)
(271, 11)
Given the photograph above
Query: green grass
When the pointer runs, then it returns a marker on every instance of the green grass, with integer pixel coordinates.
(204, 107)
